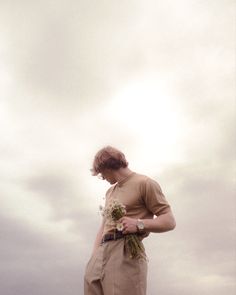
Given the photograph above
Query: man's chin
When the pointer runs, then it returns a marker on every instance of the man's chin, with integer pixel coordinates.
(112, 181)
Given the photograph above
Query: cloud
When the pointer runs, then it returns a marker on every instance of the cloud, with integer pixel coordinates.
(200, 251)
(67, 203)
(33, 262)
(154, 80)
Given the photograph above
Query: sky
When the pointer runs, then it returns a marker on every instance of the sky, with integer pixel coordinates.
(155, 79)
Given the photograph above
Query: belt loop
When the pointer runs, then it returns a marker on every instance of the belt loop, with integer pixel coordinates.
(114, 235)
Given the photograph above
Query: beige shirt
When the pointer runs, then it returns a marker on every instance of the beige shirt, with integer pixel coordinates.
(141, 195)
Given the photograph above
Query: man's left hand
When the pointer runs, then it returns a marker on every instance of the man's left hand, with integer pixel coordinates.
(130, 225)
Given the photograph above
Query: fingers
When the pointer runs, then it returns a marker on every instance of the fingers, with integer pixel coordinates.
(125, 230)
(121, 220)
(128, 225)
(125, 227)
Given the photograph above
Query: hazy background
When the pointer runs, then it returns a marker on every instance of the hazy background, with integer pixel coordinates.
(153, 78)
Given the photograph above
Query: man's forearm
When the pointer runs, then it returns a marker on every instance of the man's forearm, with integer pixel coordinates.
(162, 223)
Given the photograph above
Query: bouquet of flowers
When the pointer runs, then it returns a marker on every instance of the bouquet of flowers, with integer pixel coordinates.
(113, 212)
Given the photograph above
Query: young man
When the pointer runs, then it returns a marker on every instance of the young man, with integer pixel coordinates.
(111, 270)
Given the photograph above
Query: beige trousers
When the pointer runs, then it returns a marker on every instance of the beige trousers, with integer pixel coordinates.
(110, 271)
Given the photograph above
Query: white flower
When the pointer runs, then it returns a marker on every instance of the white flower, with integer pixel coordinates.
(119, 226)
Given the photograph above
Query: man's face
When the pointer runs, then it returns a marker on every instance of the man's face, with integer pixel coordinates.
(107, 174)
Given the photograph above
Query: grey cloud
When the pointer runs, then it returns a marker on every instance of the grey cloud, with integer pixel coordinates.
(60, 55)
(203, 242)
(64, 57)
(63, 61)
(66, 201)
(58, 190)
(33, 262)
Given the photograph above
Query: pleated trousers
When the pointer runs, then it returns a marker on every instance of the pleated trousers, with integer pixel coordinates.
(111, 271)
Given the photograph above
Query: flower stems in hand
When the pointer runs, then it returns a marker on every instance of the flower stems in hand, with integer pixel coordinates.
(134, 246)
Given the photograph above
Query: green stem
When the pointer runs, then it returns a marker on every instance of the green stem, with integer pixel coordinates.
(134, 246)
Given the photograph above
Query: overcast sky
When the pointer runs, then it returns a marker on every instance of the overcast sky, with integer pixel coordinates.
(155, 79)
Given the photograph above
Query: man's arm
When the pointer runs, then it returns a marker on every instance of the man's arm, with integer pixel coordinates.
(162, 223)
(98, 237)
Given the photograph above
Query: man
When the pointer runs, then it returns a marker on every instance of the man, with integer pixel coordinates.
(111, 270)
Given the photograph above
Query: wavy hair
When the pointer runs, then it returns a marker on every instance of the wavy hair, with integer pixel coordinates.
(108, 158)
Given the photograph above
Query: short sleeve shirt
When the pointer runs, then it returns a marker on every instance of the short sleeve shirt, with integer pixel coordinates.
(141, 195)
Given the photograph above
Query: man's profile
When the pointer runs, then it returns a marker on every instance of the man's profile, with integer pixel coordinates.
(112, 270)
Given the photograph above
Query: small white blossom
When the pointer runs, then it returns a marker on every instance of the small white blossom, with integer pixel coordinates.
(119, 226)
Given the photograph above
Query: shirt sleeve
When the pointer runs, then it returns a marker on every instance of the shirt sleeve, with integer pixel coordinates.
(154, 199)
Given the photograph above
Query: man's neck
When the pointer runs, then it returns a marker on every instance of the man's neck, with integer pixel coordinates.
(122, 173)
